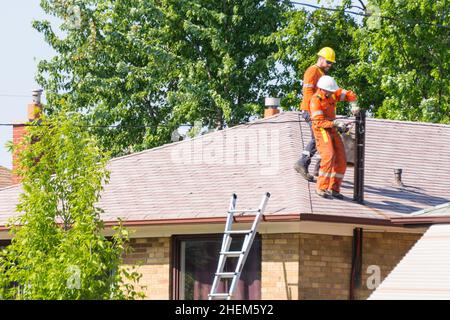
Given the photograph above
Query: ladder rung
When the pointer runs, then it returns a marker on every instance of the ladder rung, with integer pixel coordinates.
(232, 253)
(238, 231)
(243, 211)
(219, 295)
(226, 274)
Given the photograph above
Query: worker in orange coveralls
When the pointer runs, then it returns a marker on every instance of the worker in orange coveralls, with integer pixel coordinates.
(329, 144)
(327, 58)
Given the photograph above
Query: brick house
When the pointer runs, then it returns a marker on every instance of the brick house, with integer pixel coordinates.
(175, 198)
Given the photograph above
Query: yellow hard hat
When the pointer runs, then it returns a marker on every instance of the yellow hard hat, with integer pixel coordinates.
(328, 54)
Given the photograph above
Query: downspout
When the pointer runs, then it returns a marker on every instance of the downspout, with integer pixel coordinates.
(355, 276)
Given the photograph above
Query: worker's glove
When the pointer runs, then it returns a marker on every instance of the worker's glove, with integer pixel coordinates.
(340, 126)
(351, 96)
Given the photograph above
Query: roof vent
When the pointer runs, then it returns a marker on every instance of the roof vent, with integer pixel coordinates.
(398, 178)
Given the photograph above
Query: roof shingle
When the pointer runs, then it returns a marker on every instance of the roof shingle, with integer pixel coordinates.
(195, 178)
(5, 177)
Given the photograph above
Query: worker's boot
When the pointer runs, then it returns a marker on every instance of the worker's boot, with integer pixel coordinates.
(323, 193)
(303, 170)
(335, 194)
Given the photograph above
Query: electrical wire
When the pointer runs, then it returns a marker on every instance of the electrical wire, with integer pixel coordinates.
(372, 15)
(14, 95)
(257, 122)
(303, 148)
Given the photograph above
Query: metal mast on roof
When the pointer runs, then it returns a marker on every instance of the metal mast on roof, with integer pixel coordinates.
(241, 255)
(360, 131)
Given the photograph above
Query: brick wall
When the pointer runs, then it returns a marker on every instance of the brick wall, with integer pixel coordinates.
(280, 257)
(311, 266)
(325, 265)
(294, 266)
(152, 255)
(384, 250)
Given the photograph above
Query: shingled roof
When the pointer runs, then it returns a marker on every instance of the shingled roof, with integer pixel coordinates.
(194, 179)
(5, 177)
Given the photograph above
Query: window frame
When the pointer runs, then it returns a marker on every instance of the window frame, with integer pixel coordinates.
(175, 265)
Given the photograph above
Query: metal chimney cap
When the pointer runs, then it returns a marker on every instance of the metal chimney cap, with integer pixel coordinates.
(272, 102)
(36, 94)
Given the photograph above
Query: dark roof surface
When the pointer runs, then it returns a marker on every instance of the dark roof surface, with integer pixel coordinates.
(195, 178)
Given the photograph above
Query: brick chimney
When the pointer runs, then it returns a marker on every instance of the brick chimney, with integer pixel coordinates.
(272, 107)
(34, 110)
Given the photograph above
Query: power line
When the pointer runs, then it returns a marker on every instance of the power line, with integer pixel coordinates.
(371, 15)
(257, 122)
(86, 126)
(15, 95)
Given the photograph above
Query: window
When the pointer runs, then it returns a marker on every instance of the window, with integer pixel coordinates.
(4, 243)
(195, 261)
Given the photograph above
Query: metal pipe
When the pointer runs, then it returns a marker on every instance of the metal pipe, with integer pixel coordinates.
(360, 136)
(398, 178)
(356, 271)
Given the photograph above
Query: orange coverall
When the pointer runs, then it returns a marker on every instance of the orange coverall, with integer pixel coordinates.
(310, 78)
(329, 144)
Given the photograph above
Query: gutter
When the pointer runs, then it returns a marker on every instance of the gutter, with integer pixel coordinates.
(207, 220)
(345, 219)
(293, 217)
(416, 221)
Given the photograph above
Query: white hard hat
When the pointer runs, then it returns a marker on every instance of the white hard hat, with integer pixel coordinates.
(327, 83)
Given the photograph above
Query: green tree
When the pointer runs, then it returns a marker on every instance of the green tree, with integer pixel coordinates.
(58, 250)
(302, 35)
(403, 59)
(149, 66)
(396, 58)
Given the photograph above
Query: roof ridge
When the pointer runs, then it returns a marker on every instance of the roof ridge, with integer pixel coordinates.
(418, 123)
(209, 134)
(428, 210)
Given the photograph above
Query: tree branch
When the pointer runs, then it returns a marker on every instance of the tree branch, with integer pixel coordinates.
(362, 4)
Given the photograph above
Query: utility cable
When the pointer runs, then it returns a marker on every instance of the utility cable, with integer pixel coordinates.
(372, 15)
(257, 122)
(303, 147)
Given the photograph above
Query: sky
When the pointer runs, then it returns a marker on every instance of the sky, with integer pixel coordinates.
(22, 48)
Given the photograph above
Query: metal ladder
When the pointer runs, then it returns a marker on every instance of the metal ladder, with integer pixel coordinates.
(241, 255)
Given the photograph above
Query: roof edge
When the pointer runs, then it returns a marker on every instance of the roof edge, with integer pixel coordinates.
(289, 217)
(345, 219)
(430, 210)
(406, 221)
(205, 220)
(392, 221)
